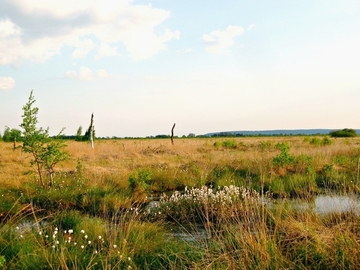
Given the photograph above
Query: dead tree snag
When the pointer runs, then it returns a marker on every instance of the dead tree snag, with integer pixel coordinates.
(172, 134)
(91, 131)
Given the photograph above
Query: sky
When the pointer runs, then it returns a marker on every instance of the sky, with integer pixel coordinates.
(208, 66)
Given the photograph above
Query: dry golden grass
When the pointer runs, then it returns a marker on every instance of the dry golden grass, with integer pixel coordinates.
(119, 158)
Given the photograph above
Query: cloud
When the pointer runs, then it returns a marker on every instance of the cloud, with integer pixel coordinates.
(217, 41)
(102, 74)
(86, 74)
(6, 83)
(83, 48)
(36, 30)
(8, 29)
(142, 45)
(187, 50)
(106, 50)
(153, 79)
(251, 26)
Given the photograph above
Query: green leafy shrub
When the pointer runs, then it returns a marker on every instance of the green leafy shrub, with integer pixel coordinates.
(229, 144)
(303, 163)
(2, 261)
(226, 144)
(11, 134)
(265, 145)
(326, 141)
(139, 183)
(317, 142)
(346, 132)
(284, 158)
(46, 152)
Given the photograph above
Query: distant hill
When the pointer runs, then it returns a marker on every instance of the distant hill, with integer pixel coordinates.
(274, 132)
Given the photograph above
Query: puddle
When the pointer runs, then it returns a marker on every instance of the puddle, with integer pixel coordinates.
(325, 204)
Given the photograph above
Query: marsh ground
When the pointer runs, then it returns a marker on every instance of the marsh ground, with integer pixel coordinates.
(217, 184)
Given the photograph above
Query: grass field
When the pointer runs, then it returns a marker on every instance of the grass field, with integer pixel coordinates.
(212, 200)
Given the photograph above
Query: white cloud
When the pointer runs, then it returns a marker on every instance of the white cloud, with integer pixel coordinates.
(71, 74)
(86, 74)
(6, 83)
(153, 79)
(42, 28)
(102, 74)
(8, 29)
(13, 49)
(187, 50)
(106, 50)
(251, 26)
(217, 41)
(84, 47)
(144, 44)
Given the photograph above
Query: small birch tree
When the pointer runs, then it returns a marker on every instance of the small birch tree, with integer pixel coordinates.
(46, 152)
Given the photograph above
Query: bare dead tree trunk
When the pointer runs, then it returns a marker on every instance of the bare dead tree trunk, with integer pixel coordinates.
(91, 129)
(172, 134)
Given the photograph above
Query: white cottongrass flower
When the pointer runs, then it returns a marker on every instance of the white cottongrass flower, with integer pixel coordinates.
(82, 231)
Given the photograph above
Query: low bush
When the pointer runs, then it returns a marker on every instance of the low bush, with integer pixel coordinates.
(346, 132)
(226, 144)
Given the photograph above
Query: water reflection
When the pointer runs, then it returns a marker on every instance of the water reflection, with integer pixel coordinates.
(325, 204)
